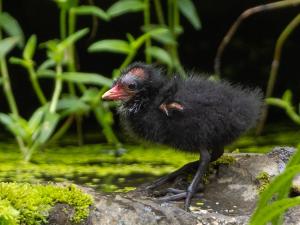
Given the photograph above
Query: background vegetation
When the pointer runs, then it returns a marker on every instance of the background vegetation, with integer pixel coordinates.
(58, 57)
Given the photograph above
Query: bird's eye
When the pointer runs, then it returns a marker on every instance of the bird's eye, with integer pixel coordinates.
(132, 86)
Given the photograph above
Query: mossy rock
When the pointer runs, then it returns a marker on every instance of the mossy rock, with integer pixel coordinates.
(263, 179)
(225, 160)
(30, 204)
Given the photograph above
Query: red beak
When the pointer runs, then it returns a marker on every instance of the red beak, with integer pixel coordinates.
(115, 93)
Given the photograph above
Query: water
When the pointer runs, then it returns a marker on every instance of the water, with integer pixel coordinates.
(96, 165)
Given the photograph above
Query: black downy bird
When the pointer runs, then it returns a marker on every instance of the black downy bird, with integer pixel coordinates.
(193, 114)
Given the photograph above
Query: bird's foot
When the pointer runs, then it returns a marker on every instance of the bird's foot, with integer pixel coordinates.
(186, 168)
(179, 195)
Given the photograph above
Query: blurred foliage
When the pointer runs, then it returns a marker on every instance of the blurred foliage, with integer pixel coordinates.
(83, 93)
(275, 200)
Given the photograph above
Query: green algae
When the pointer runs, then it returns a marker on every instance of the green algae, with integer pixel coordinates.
(224, 160)
(22, 203)
(97, 166)
(264, 180)
(92, 165)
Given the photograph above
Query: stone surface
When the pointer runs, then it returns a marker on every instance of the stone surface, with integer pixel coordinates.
(229, 198)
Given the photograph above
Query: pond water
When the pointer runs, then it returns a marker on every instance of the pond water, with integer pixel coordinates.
(97, 166)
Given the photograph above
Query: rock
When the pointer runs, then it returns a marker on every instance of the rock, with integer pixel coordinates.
(228, 199)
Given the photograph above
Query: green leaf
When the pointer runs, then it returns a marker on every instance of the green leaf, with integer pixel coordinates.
(87, 78)
(125, 6)
(11, 26)
(30, 47)
(6, 45)
(161, 54)
(91, 10)
(72, 105)
(48, 126)
(46, 73)
(12, 125)
(91, 96)
(36, 118)
(267, 213)
(161, 34)
(1, 80)
(66, 4)
(116, 46)
(295, 159)
(18, 61)
(73, 38)
(287, 96)
(280, 181)
(188, 9)
(46, 65)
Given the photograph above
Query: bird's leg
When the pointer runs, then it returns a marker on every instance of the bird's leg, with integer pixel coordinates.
(171, 176)
(193, 187)
(217, 153)
(203, 164)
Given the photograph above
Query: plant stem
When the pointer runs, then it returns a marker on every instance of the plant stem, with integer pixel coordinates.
(173, 23)
(62, 23)
(36, 85)
(247, 13)
(107, 130)
(127, 61)
(0, 12)
(31, 151)
(147, 24)
(9, 94)
(170, 15)
(79, 130)
(286, 106)
(7, 88)
(57, 89)
(72, 68)
(62, 130)
(71, 51)
(274, 68)
(159, 12)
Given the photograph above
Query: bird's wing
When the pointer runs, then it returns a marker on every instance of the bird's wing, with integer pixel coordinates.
(172, 106)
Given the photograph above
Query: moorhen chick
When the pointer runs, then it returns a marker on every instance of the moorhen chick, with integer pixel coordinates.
(193, 114)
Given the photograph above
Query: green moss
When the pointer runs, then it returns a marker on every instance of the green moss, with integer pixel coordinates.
(22, 203)
(225, 160)
(264, 180)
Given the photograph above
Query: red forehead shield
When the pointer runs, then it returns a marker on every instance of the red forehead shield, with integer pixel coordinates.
(139, 72)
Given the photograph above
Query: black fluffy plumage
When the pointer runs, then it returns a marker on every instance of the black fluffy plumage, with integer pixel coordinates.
(193, 114)
(215, 113)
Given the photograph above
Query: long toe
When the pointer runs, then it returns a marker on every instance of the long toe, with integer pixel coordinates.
(163, 180)
(178, 196)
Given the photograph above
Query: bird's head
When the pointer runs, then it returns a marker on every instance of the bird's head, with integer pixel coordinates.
(137, 80)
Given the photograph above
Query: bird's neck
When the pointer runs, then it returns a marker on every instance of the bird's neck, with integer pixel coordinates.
(139, 103)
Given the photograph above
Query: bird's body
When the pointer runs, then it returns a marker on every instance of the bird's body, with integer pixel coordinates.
(214, 114)
(193, 114)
